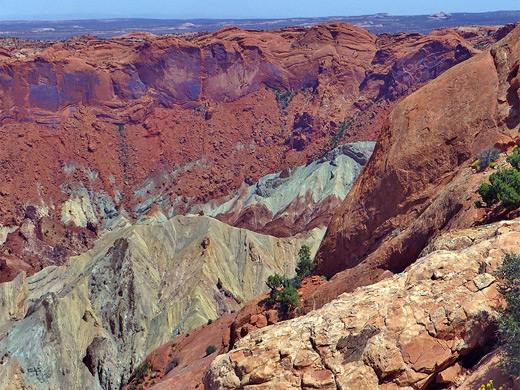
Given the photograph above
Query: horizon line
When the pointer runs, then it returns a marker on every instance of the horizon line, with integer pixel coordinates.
(240, 18)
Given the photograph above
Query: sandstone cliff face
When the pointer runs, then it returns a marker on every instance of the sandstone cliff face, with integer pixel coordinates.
(418, 181)
(113, 123)
(405, 332)
(88, 323)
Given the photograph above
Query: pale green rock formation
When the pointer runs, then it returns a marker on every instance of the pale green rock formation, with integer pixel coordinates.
(87, 324)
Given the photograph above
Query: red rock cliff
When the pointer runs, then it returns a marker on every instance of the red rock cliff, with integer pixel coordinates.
(138, 120)
(419, 181)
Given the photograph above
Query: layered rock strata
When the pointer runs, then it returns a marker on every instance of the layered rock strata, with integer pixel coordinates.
(90, 322)
(106, 128)
(297, 199)
(192, 119)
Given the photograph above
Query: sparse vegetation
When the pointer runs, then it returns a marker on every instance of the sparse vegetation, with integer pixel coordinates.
(340, 133)
(283, 97)
(305, 264)
(514, 158)
(140, 372)
(509, 321)
(503, 186)
(283, 291)
(201, 110)
(210, 349)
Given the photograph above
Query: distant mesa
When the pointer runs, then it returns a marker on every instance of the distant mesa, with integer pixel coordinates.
(43, 29)
(439, 16)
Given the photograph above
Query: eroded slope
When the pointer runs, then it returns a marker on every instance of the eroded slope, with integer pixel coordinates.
(419, 180)
(88, 323)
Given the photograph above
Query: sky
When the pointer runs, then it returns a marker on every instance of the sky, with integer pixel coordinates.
(235, 9)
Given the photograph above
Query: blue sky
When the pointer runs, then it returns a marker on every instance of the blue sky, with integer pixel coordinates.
(85, 9)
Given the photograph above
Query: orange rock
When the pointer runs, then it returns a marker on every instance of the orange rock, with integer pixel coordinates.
(113, 107)
(450, 374)
(318, 379)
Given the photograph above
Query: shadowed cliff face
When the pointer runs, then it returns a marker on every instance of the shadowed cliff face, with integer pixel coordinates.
(419, 181)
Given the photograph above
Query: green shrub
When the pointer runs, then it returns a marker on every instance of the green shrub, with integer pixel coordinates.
(514, 158)
(201, 110)
(210, 349)
(504, 184)
(509, 321)
(283, 97)
(340, 133)
(284, 290)
(289, 298)
(305, 264)
(141, 370)
(504, 187)
(210, 321)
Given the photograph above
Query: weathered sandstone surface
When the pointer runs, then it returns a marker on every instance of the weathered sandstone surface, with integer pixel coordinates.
(90, 322)
(180, 363)
(404, 332)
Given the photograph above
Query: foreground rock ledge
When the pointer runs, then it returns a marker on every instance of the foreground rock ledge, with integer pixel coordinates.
(400, 333)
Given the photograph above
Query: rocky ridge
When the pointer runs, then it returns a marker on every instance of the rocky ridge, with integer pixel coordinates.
(419, 180)
(405, 332)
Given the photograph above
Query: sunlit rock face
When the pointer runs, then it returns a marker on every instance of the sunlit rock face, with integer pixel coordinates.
(405, 332)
